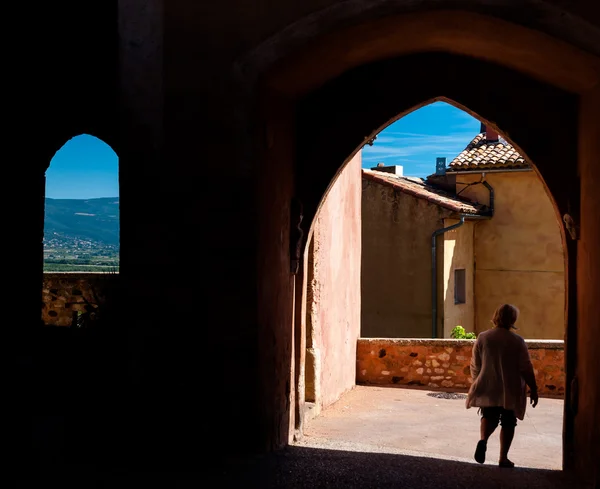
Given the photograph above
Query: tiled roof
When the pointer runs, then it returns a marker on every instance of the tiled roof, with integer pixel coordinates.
(480, 154)
(417, 188)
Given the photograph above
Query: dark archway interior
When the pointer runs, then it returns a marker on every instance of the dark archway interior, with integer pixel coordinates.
(63, 83)
(333, 122)
(68, 86)
(210, 322)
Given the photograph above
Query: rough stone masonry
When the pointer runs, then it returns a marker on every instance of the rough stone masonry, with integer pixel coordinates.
(443, 364)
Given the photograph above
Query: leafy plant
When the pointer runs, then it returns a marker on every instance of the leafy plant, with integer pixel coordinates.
(459, 333)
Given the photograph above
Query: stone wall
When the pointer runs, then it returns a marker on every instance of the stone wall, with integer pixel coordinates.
(64, 293)
(443, 364)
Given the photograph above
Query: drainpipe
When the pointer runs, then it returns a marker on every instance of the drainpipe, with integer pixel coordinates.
(434, 236)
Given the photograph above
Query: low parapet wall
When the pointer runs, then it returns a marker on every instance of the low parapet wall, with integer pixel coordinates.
(64, 294)
(444, 364)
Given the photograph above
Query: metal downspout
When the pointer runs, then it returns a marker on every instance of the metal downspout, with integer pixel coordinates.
(434, 236)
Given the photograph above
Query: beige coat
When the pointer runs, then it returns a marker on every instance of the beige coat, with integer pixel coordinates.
(499, 366)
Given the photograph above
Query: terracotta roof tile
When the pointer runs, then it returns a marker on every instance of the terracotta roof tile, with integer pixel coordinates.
(417, 188)
(481, 154)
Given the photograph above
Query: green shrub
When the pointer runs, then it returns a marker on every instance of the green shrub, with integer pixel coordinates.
(459, 333)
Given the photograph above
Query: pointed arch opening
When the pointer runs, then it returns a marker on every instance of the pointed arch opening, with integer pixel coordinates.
(418, 227)
(315, 119)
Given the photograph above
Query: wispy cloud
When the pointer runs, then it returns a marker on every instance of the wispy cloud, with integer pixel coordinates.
(468, 124)
(415, 151)
(418, 138)
(407, 144)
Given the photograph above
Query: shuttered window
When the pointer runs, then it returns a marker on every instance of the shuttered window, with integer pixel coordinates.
(460, 286)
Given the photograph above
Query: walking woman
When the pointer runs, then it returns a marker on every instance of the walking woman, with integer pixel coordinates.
(501, 370)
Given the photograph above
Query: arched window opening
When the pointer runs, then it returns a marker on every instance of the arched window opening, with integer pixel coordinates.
(81, 230)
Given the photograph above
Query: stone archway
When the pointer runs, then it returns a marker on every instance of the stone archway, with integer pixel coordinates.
(321, 105)
(181, 102)
(331, 314)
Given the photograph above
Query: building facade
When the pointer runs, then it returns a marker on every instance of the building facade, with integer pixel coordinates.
(403, 264)
(450, 249)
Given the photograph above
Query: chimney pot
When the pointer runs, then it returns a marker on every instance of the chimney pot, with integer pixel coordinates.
(440, 165)
(397, 170)
(491, 135)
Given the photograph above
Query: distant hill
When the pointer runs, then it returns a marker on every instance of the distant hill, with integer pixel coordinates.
(86, 219)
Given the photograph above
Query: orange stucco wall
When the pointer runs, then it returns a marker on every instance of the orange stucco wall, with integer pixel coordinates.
(396, 263)
(444, 364)
(519, 254)
(333, 322)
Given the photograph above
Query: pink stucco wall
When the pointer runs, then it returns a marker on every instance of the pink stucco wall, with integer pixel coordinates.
(334, 289)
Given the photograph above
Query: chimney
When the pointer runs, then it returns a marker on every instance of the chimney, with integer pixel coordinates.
(394, 169)
(440, 165)
(491, 136)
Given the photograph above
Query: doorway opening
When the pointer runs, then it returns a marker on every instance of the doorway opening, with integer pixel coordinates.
(446, 223)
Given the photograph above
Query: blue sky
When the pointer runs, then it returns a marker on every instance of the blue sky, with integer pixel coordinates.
(416, 140)
(86, 168)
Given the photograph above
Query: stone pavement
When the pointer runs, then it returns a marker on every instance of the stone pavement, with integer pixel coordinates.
(409, 421)
(374, 438)
(380, 437)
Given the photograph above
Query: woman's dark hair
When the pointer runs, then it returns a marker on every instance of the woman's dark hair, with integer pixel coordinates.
(505, 316)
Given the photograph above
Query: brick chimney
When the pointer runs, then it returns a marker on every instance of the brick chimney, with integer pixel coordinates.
(395, 169)
(491, 136)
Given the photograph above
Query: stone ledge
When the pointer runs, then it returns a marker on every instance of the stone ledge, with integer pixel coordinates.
(419, 341)
(531, 344)
(545, 344)
(71, 274)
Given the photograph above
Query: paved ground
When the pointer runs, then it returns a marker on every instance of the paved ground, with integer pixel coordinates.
(375, 438)
(408, 421)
